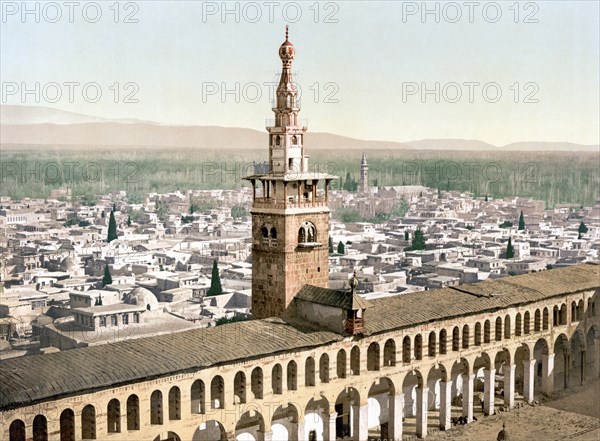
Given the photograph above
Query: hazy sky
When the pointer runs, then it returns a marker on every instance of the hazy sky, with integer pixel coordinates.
(362, 66)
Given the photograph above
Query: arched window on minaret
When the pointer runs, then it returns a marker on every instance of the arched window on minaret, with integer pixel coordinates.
(264, 231)
(273, 233)
(301, 235)
(294, 140)
(278, 140)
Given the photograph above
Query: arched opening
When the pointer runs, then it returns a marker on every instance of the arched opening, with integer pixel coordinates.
(40, 428)
(580, 310)
(277, 379)
(573, 311)
(577, 359)
(292, 375)
(347, 407)
(16, 431)
(415, 420)
(171, 436)
(431, 344)
(382, 410)
(324, 368)
(455, 339)
(487, 330)
(284, 423)
(540, 354)
(483, 385)
(273, 233)
(250, 427)
(498, 329)
(537, 321)
(518, 324)
(309, 372)
(67, 425)
(174, 403)
(466, 338)
(341, 364)
(477, 334)
(507, 327)
(406, 355)
(355, 360)
(217, 392)
(443, 341)
(197, 393)
(562, 362)
(503, 366)
(373, 357)
(526, 323)
(545, 319)
(212, 430)
(563, 314)
(88, 422)
(555, 316)
(462, 388)
(591, 367)
(256, 383)
(156, 407)
(389, 353)
(418, 347)
(113, 416)
(264, 231)
(315, 417)
(439, 394)
(133, 412)
(239, 388)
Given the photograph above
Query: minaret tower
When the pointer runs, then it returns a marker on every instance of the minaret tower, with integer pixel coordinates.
(364, 175)
(290, 213)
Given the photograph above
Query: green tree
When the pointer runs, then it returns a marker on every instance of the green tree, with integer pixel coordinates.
(578, 235)
(510, 251)
(215, 281)
(129, 220)
(506, 224)
(330, 245)
(350, 184)
(486, 197)
(582, 228)
(112, 227)
(107, 279)
(521, 221)
(406, 235)
(102, 214)
(341, 248)
(418, 241)
(114, 207)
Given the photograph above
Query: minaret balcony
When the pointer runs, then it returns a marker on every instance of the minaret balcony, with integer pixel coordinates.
(292, 202)
(302, 123)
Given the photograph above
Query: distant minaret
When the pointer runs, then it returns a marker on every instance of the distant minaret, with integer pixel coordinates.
(364, 175)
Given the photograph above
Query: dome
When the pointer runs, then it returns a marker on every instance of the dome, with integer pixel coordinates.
(68, 264)
(142, 297)
(286, 50)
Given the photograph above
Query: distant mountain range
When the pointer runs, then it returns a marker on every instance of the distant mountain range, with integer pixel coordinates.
(36, 125)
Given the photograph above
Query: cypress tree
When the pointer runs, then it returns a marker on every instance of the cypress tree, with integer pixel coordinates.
(418, 241)
(582, 228)
(521, 221)
(330, 245)
(215, 281)
(112, 227)
(510, 251)
(486, 197)
(102, 214)
(341, 248)
(128, 220)
(107, 279)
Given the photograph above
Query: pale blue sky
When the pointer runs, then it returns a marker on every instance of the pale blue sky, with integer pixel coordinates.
(371, 54)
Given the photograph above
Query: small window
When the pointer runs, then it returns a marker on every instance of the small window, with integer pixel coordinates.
(273, 233)
(113, 320)
(102, 322)
(264, 231)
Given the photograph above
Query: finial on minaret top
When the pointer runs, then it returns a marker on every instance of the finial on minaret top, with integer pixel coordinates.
(287, 27)
(286, 50)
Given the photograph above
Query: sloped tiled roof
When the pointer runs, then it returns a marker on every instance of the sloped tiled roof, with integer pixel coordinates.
(35, 378)
(332, 297)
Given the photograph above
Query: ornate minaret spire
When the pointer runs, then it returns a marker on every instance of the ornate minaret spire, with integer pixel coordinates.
(287, 136)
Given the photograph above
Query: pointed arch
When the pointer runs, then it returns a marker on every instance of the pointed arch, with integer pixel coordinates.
(133, 412)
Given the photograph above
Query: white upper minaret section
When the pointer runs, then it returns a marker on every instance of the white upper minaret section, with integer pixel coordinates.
(286, 136)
